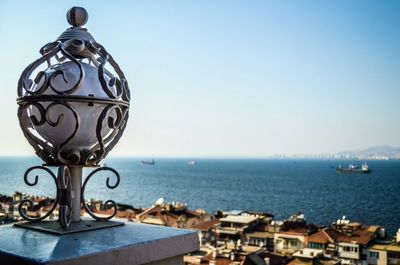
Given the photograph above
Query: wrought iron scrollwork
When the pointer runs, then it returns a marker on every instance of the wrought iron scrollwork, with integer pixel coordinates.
(62, 83)
(45, 78)
(64, 195)
(110, 125)
(73, 109)
(29, 203)
(117, 84)
(114, 86)
(116, 123)
(36, 114)
(108, 203)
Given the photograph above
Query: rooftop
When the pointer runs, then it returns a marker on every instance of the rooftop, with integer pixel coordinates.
(360, 236)
(298, 231)
(308, 253)
(392, 248)
(324, 236)
(239, 219)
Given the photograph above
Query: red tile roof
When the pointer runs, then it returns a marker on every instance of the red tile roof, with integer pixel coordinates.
(324, 236)
(361, 236)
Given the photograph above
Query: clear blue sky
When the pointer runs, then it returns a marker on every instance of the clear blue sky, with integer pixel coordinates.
(229, 78)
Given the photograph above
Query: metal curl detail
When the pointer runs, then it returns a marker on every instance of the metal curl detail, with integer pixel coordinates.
(41, 147)
(112, 123)
(46, 152)
(65, 198)
(30, 202)
(119, 84)
(108, 202)
(117, 124)
(33, 114)
(120, 131)
(44, 80)
(56, 123)
(78, 84)
(24, 83)
(64, 195)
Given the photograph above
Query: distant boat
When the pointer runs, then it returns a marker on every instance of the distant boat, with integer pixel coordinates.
(354, 169)
(192, 162)
(145, 162)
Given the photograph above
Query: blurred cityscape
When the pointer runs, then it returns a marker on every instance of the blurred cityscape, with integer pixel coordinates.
(371, 153)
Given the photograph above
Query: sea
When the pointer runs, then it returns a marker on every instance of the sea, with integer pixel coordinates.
(281, 187)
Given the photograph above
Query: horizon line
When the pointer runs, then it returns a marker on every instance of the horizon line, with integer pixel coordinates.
(276, 157)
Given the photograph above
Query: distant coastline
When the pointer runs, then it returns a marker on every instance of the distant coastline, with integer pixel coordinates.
(381, 152)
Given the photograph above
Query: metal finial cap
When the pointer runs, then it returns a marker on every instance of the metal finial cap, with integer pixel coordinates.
(77, 16)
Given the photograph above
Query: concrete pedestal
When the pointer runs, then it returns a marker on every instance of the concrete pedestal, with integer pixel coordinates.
(131, 244)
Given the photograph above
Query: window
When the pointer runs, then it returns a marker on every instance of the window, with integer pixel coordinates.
(374, 254)
(316, 245)
(291, 243)
(393, 255)
(350, 249)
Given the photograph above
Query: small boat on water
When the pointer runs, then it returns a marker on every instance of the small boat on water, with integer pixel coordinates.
(192, 162)
(354, 169)
(146, 162)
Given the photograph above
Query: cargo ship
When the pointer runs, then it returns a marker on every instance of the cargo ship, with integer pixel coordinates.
(354, 169)
(144, 162)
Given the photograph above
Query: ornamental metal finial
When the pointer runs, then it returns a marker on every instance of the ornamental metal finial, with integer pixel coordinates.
(73, 108)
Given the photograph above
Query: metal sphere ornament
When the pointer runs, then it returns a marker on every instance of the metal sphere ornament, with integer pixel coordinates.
(73, 109)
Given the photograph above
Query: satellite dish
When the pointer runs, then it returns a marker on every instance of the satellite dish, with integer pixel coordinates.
(160, 201)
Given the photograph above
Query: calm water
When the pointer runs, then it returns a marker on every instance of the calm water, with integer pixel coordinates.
(280, 187)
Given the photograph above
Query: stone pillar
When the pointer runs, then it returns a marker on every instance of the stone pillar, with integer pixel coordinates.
(129, 244)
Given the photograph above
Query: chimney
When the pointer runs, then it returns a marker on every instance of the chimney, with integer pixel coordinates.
(398, 236)
(267, 261)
